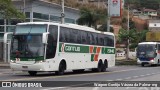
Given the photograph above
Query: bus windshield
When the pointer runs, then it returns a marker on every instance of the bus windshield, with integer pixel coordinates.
(27, 46)
(146, 51)
(27, 41)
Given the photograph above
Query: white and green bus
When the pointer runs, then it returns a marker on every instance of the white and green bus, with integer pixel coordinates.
(46, 46)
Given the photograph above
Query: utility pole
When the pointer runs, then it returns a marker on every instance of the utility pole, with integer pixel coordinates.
(108, 21)
(24, 6)
(127, 57)
(5, 45)
(62, 13)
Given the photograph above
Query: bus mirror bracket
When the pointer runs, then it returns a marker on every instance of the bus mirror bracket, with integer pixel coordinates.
(5, 37)
(44, 37)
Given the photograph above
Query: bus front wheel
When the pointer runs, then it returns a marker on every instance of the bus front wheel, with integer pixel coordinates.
(142, 64)
(32, 73)
(62, 67)
(99, 67)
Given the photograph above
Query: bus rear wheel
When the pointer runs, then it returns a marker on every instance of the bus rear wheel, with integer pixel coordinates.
(105, 66)
(61, 70)
(32, 73)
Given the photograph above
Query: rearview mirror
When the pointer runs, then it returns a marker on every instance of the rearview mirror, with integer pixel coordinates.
(44, 37)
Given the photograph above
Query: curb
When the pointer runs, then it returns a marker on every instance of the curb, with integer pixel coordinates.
(4, 66)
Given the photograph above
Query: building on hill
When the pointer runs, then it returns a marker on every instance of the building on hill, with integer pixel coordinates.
(154, 25)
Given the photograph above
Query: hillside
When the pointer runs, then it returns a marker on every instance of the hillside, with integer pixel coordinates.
(137, 4)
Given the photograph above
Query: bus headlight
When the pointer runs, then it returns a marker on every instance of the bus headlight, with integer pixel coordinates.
(12, 61)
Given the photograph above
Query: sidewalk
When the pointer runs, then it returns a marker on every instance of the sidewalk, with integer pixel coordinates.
(4, 65)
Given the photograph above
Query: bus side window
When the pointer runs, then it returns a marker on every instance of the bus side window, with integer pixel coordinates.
(79, 37)
(96, 38)
(158, 46)
(105, 41)
(109, 40)
(88, 38)
(74, 36)
(84, 36)
(62, 35)
(67, 35)
(92, 39)
(101, 39)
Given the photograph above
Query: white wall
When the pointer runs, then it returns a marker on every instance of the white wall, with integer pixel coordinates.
(154, 24)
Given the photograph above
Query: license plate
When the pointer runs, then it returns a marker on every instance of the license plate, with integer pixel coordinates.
(24, 66)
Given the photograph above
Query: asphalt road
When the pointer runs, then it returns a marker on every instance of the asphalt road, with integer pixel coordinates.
(117, 73)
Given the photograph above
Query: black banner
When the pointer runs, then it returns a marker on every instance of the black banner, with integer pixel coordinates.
(79, 83)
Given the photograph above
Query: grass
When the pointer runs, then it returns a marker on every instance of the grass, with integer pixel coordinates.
(126, 62)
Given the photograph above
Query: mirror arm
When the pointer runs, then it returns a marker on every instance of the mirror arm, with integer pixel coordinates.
(5, 36)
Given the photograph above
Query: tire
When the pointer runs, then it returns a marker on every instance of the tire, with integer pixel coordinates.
(32, 73)
(105, 66)
(99, 67)
(61, 69)
(142, 64)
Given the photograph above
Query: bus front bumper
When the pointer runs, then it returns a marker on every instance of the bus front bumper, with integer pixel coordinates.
(27, 67)
(146, 62)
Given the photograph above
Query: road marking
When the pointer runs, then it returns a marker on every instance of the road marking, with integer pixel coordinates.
(119, 79)
(128, 78)
(142, 75)
(65, 76)
(95, 88)
(109, 80)
(53, 88)
(135, 76)
(152, 73)
(148, 74)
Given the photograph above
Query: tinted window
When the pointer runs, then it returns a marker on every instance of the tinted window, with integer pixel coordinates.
(52, 42)
(74, 36)
(101, 39)
(158, 46)
(65, 35)
(84, 37)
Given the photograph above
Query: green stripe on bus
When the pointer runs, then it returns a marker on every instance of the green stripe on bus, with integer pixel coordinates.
(83, 49)
(92, 57)
(94, 50)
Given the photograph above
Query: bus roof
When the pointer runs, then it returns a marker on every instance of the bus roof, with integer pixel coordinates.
(148, 43)
(69, 25)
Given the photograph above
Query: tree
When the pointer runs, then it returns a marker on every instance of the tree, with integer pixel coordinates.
(7, 10)
(134, 38)
(90, 17)
(104, 26)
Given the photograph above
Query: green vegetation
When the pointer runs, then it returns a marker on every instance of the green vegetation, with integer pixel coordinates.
(134, 37)
(126, 62)
(91, 17)
(7, 10)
